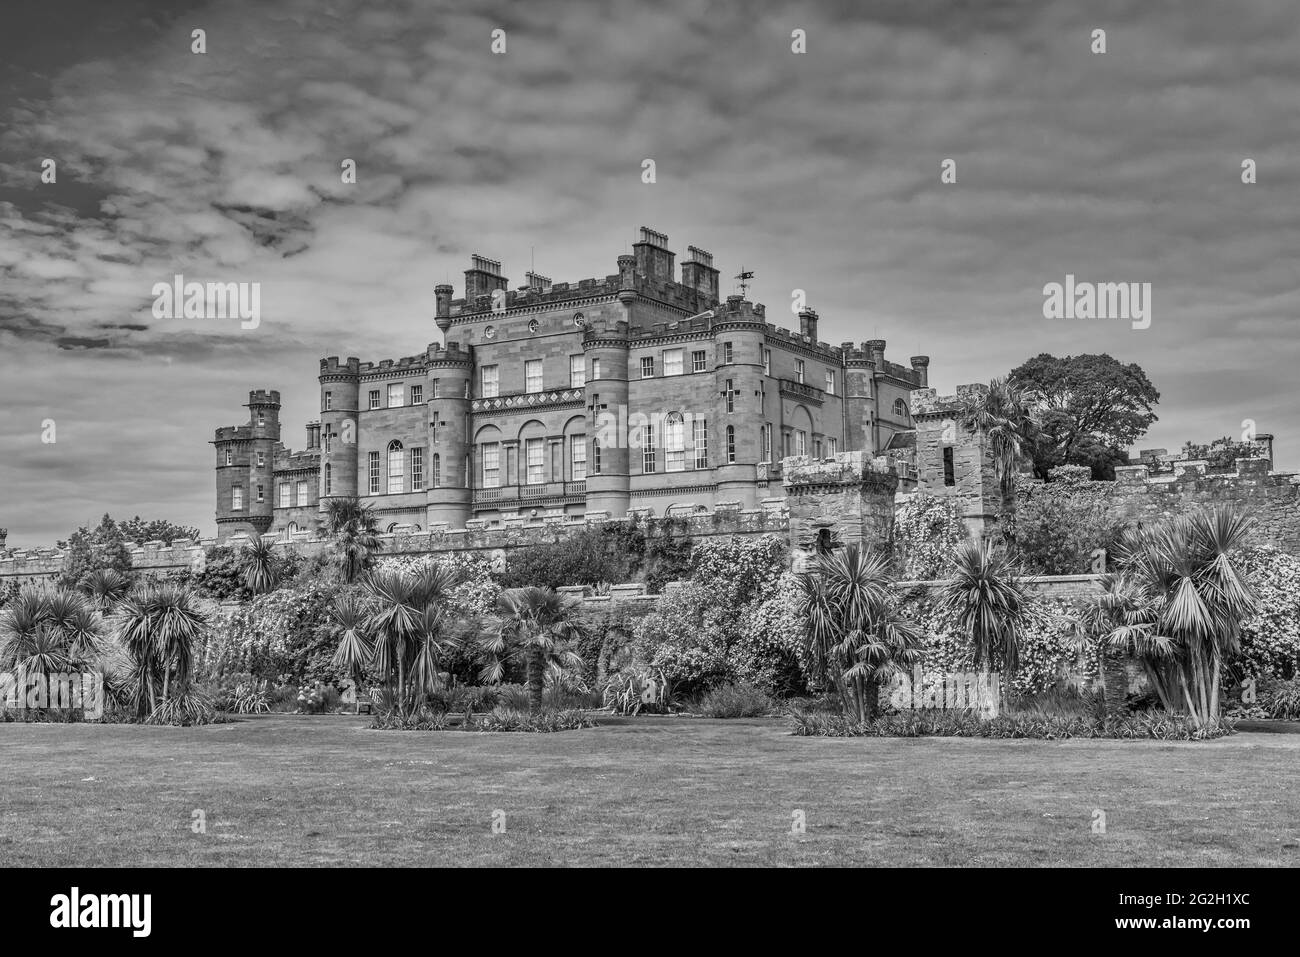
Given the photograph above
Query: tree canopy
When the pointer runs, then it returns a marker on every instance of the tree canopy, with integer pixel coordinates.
(1093, 408)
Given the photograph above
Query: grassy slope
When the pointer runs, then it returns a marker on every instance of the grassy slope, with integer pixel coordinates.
(310, 791)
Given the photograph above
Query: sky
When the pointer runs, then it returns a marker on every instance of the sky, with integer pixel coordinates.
(819, 171)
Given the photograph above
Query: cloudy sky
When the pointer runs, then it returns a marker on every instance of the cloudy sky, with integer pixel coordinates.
(818, 171)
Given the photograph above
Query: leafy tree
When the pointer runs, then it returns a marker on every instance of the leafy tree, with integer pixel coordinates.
(622, 551)
(1065, 527)
(854, 634)
(157, 530)
(222, 577)
(89, 549)
(537, 627)
(1092, 408)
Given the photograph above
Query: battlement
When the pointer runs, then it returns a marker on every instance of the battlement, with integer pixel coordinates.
(232, 433)
(451, 352)
(332, 366)
(406, 364)
(801, 472)
(286, 460)
(264, 397)
(781, 335)
(929, 402)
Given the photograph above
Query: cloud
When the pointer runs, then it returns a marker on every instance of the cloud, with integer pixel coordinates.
(818, 171)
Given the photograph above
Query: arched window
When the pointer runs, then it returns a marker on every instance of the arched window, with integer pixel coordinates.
(900, 408)
(395, 468)
(731, 443)
(437, 470)
(290, 531)
(675, 442)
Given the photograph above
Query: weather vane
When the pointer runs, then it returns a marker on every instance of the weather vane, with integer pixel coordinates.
(744, 276)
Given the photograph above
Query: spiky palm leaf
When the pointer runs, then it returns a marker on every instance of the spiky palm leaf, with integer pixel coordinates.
(260, 565)
(987, 601)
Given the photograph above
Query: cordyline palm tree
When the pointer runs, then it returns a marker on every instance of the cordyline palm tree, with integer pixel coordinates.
(157, 626)
(1190, 599)
(986, 599)
(535, 626)
(260, 566)
(1008, 415)
(45, 632)
(355, 532)
(1106, 630)
(106, 587)
(853, 635)
(411, 629)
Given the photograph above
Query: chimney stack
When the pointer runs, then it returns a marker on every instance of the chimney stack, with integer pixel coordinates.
(698, 274)
(653, 258)
(483, 278)
(808, 323)
(921, 366)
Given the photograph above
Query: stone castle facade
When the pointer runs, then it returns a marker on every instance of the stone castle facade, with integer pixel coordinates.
(642, 392)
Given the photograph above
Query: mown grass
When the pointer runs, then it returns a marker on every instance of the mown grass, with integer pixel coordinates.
(305, 791)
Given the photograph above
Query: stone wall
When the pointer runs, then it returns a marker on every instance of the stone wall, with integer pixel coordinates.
(1271, 498)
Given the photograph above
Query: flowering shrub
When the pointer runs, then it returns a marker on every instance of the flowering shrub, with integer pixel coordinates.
(926, 530)
(1270, 640)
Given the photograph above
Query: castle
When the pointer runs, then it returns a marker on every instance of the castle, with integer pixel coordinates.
(641, 392)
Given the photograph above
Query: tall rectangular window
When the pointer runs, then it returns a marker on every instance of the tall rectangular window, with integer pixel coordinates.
(832, 447)
(595, 457)
(798, 366)
(329, 479)
(949, 473)
(577, 372)
(647, 367)
(731, 444)
(672, 362)
(649, 459)
(374, 398)
(767, 362)
(301, 489)
(326, 436)
(817, 448)
(765, 433)
(533, 375)
(578, 457)
(417, 394)
(731, 397)
(492, 464)
(490, 382)
(595, 368)
(236, 499)
(727, 354)
(329, 401)
(437, 470)
(800, 442)
(700, 439)
(230, 457)
(374, 473)
(395, 391)
(830, 381)
(434, 389)
(699, 361)
(417, 470)
(261, 460)
(535, 461)
(282, 495)
(675, 444)
(261, 493)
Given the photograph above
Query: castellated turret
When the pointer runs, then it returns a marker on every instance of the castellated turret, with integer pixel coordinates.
(245, 464)
(340, 395)
(448, 390)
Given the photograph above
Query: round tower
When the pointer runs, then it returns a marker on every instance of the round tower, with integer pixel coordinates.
(739, 336)
(264, 431)
(449, 497)
(340, 396)
(605, 346)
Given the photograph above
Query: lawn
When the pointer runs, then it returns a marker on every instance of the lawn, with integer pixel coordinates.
(304, 791)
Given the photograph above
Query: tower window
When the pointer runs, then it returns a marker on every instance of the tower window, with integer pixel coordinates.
(731, 444)
(236, 499)
(949, 473)
(261, 460)
(731, 397)
(767, 362)
(230, 457)
(727, 353)
(329, 479)
(329, 401)
(437, 470)
(595, 368)
(261, 493)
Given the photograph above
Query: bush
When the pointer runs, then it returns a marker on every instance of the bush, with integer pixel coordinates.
(512, 719)
(638, 690)
(967, 724)
(192, 707)
(738, 700)
(1282, 700)
(424, 719)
